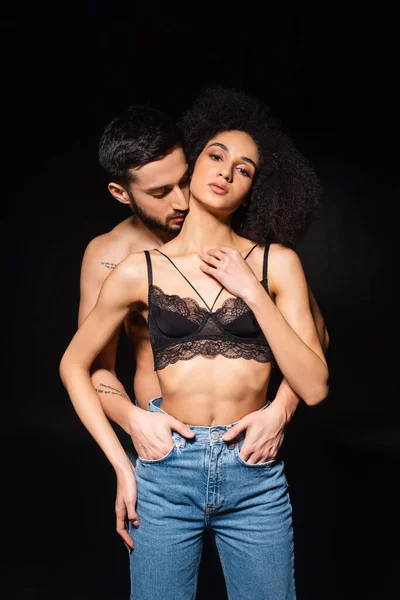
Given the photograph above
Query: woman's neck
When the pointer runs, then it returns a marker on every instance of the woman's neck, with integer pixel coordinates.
(203, 230)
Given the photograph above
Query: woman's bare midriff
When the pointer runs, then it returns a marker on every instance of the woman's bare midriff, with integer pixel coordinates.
(210, 391)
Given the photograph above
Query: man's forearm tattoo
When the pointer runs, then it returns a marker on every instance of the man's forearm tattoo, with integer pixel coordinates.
(110, 390)
(108, 265)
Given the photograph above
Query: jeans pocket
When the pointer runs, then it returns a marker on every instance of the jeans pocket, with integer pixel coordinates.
(149, 461)
(237, 450)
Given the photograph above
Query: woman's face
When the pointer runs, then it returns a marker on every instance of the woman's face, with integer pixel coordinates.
(224, 171)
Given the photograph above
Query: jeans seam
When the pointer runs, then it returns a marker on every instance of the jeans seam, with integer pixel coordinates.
(224, 571)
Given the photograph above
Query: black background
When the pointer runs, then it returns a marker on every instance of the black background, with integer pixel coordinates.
(329, 71)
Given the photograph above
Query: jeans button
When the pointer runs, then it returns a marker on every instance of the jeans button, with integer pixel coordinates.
(215, 435)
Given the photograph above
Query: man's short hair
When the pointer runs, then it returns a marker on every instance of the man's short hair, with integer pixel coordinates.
(139, 135)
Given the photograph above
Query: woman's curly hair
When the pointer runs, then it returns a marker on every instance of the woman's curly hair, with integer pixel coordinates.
(285, 194)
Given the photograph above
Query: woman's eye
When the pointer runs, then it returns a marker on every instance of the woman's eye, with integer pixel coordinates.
(244, 172)
(215, 157)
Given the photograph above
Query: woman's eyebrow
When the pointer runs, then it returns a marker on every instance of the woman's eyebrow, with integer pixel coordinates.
(245, 158)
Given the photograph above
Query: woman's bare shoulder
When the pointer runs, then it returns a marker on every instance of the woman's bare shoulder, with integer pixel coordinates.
(284, 267)
(131, 270)
(283, 256)
(278, 255)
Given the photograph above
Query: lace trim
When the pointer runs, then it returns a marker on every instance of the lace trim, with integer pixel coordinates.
(187, 307)
(231, 308)
(227, 348)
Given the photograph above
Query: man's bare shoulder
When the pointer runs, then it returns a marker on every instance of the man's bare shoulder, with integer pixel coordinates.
(105, 251)
(108, 249)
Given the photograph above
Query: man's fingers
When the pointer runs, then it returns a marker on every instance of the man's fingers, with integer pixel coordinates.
(122, 531)
(132, 514)
(246, 455)
(126, 538)
(249, 458)
(181, 428)
(254, 458)
(235, 430)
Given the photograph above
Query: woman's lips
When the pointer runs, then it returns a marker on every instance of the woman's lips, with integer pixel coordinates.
(217, 189)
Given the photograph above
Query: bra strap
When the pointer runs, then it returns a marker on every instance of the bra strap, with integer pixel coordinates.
(221, 290)
(149, 267)
(265, 263)
(250, 251)
(184, 277)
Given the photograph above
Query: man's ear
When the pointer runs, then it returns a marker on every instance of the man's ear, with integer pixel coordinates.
(118, 192)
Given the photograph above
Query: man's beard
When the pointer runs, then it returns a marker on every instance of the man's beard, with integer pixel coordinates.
(153, 223)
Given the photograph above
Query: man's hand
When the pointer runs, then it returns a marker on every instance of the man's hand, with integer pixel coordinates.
(125, 505)
(152, 433)
(264, 434)
(152, 437)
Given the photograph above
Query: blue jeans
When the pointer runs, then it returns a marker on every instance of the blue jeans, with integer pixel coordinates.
(204, 484)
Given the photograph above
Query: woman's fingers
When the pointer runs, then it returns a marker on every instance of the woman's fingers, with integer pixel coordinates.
(217, 253)
(210, 260)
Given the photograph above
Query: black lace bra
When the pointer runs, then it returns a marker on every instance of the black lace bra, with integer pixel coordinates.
(180, 328)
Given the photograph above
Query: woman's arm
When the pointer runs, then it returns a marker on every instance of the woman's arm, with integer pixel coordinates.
(322, 330)
(297, 348)
(287, 324)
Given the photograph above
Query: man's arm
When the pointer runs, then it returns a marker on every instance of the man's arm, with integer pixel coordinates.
(97, 330)
(100, 257)
(115, 402)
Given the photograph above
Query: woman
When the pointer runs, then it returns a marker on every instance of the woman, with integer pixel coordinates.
(224, 300)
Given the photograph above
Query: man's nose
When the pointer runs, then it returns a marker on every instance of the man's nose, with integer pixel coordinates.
(180, 199)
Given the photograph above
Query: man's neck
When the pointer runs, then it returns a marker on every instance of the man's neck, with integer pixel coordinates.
(157, 236)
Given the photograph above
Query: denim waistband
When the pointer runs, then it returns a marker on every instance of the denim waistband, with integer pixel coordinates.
(204, 434)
